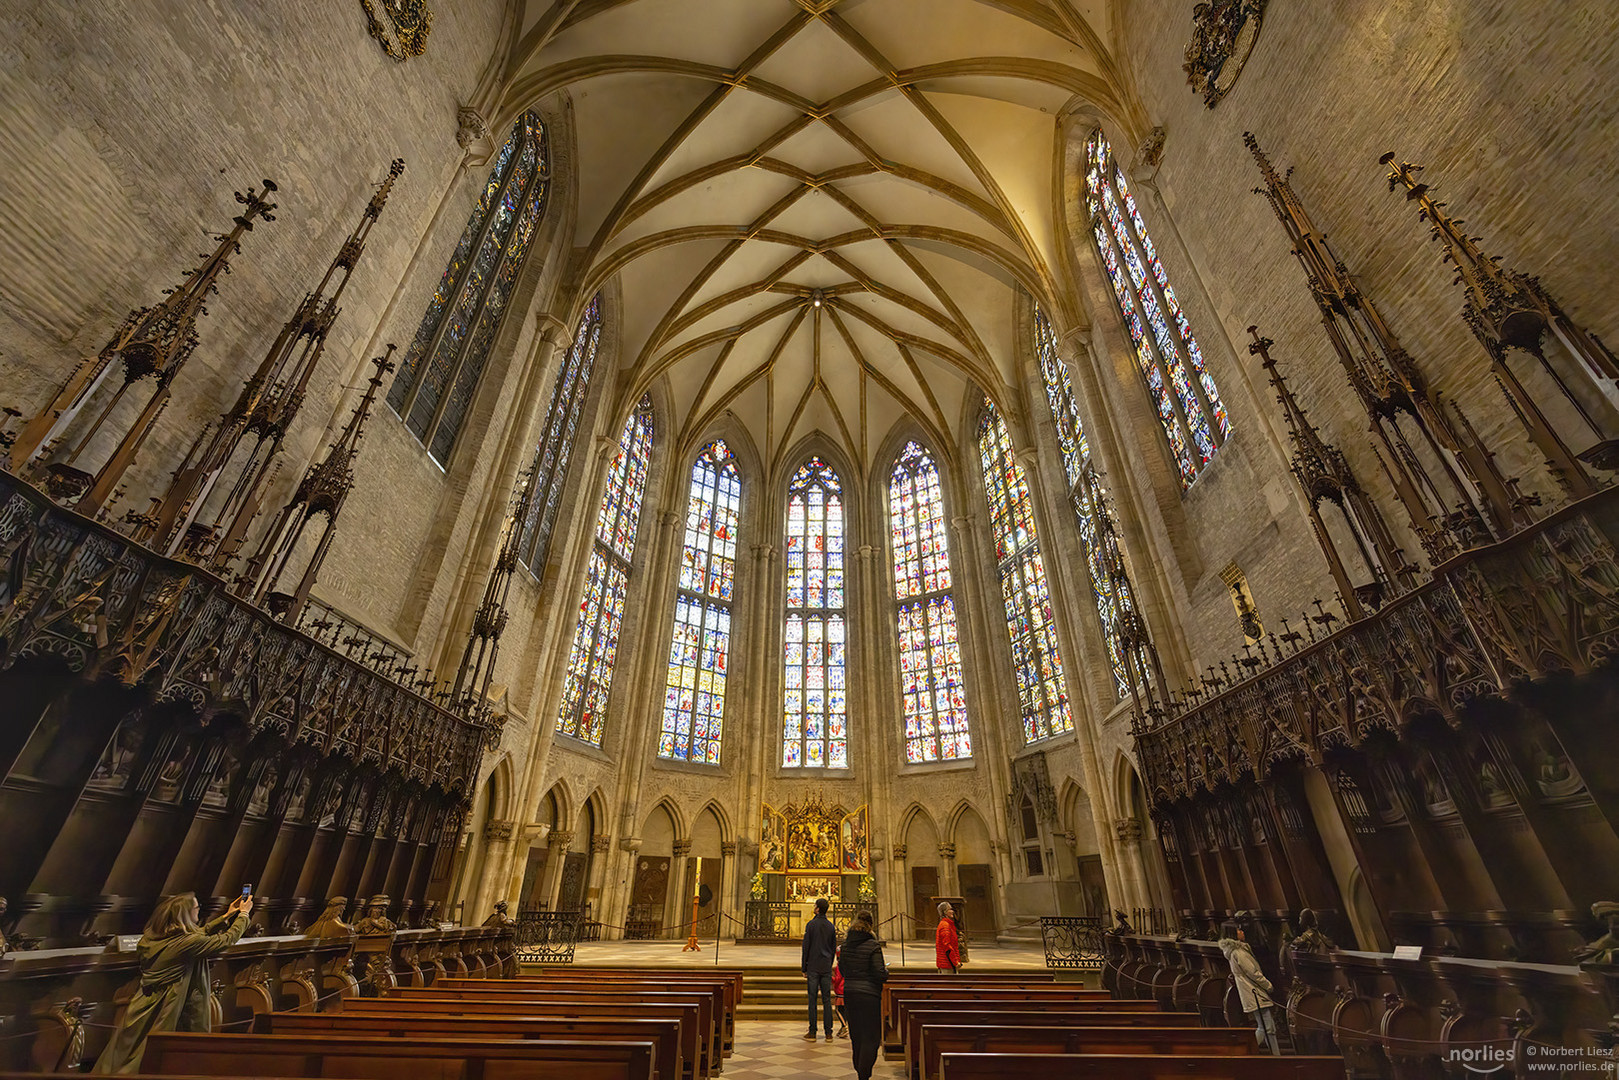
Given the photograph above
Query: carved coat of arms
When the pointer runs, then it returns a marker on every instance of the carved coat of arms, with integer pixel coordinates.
(1223, 33)
(403, 33)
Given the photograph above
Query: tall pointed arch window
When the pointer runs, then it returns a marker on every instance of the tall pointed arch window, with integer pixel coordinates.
(440, 372)
(1183, 391)
(815, 710)
(930, 669)
(1042, 692)
(551, 456)
(585, 689)
(1113, 596)
(694, 697)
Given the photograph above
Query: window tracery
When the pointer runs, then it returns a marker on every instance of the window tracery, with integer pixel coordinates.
(815, 706)
(583, 713)
(1183, 392)
(931, 684)
(550, 469)
(440, 371)
(1113, 597)
(1042, 691)
(699, 647)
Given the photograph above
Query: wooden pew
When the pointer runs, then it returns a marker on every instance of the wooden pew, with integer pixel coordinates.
(723, 990)
(710, 1022)
(991, 981)
(664, 1035)
(692, 1043)
(364, 1058)
(1048, 995)
(1123, 1067)
(960, 1013)
(939, 1039)
(735, 976)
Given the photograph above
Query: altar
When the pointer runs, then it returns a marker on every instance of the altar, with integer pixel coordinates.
(809, 851)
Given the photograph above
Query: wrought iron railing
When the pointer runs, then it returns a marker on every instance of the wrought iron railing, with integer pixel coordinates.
(769, 920)
(547, 937)
(1072, 941)
(842, 914)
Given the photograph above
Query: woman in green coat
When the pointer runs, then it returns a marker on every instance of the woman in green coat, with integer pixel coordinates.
(174, 994)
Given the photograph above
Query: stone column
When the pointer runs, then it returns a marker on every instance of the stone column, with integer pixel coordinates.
(1135, 893)
(948, 883)
(730, 877)
(901, 885)
(677, 907)
(497, 840)
(558, 844)
(601, 847)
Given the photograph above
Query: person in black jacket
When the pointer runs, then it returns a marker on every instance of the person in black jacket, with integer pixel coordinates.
(820, 946)
(864, 973)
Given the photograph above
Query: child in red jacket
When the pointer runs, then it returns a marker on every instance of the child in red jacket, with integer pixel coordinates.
(837, 997)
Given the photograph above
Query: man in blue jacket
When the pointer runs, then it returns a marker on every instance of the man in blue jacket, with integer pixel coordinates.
(820, 946)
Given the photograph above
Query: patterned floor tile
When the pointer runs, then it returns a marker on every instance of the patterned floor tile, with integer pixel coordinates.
(769, 1050)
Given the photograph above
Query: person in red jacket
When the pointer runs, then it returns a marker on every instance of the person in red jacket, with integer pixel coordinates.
(946, 942)
(837, 997)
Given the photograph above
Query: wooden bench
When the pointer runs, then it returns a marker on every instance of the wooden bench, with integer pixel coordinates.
(709, 1022)
(730, 978)
(722, 990)
(939, 1039)
(988, 996)
(988, 982)
(736, 977)
(961, 1013)
(668, 1062)
(695, 1062)
(1130, 1067)
(362, 1058)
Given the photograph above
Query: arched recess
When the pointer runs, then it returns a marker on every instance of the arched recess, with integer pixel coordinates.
(705, 867)
(923, 866)
(976, 877)
(651, 888)
(1084, 847)
(548, 818)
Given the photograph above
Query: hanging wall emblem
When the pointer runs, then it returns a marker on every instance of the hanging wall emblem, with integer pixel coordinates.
(1223, 33)
(403, 33)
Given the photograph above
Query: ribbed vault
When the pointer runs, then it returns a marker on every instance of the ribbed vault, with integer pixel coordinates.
(819, 209)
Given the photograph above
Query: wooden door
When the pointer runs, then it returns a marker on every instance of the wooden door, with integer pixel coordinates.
(571, 896)
(533, 878)
(924, 887)
(647, 897)
(979, 916)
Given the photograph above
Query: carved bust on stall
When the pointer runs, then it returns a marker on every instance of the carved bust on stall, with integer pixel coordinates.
(1310, 939)
(1605, 949)
(499, 917)
(330, 923)
(376, 919)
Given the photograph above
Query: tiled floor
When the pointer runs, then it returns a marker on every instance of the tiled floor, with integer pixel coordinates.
(770, 1050)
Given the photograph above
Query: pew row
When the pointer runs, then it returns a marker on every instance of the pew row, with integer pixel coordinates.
(960, 1014)
(939, 1039)
(723, 990)
(696, 1062)
(709, 1023)
(362, 1058)
(668, 1062)
(965, 990)
(609, 973)
(1122, 1067)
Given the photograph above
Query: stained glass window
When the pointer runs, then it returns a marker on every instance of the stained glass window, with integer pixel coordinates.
(556, 441)
(1113, 597)
(595, 637)
(694, 697)
(815, 710)
(1183, 391)
(1042, 693)
(439, 374)
(931, 686)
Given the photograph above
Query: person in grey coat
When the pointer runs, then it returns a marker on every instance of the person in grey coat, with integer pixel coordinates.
(1253, 989)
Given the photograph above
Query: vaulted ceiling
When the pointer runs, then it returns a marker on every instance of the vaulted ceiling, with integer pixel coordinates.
(819, 209)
